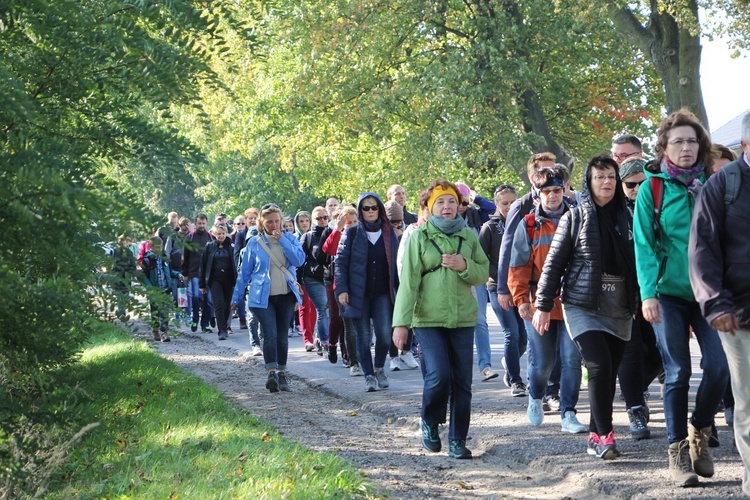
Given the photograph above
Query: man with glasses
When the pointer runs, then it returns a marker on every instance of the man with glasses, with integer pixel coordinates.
(626, 146)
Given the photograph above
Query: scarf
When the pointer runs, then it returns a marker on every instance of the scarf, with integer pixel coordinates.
(373, 226)
(690, 177)
(448, 226)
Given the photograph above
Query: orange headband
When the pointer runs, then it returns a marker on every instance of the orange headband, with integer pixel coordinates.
(439, 191)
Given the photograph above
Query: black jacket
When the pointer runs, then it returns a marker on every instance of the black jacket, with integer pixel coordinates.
(490, 238)
(195, 244)
(207, 260)
(578, 259)
(317, 262)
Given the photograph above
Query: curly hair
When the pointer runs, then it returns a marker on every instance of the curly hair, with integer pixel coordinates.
(684, 118)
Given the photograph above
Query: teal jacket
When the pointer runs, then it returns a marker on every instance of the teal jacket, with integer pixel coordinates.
(434, 296)
(663, 270)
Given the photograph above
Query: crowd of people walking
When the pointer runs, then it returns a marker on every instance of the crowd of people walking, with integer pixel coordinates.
(613, 279)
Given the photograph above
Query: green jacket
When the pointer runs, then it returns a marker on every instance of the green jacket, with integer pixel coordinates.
(440, 297)
(663, 271)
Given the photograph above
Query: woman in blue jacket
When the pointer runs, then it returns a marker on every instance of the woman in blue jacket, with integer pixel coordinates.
(269, 265)
(366, 283)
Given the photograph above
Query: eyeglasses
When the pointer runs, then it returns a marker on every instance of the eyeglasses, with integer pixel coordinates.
(632, 185)
(681, 142)
(369, 208)
(602, 178)
(322, 217)
(504, 187)
(624, 156)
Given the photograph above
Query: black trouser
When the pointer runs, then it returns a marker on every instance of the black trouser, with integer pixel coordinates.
(641, 362)
(221, 289)
(601, 353)
(350, 341)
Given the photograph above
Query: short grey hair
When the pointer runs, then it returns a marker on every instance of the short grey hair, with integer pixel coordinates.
(745, 136)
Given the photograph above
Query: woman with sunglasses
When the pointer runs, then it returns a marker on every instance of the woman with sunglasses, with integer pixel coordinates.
(315, 275)
(442, 262)
(269, 264)
(366, 283)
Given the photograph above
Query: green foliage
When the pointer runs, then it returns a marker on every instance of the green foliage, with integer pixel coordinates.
(164, 433)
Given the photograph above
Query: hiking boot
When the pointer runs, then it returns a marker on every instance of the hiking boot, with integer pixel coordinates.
(165, 337)
(518, 390)
(430, 436)
(193, 326)
(243, 324)
(638, 426)
(272, 384)
(680, 468)
(488, 374)
(408, 360)
(257, 351)
(607, 449)
(713, 439)
(551, 403)
(571, 425)
(354, 371)
(332, 355)
(534, 412)
(371, 383)
(457, 449)
(698, 439)
(283, 382)
(382, 378)
(592, 443)
(506, 377)
(155, 335)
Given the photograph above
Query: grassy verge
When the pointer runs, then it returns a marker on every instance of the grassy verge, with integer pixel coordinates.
(164, 433)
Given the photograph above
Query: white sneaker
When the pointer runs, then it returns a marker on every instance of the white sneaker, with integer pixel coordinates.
(408, 361)
(396, 364)
(354, 371)
(571, 425)
(257, 351)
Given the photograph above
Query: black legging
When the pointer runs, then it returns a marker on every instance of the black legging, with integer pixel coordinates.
(641, 362)
(221, 290)
(601, 353)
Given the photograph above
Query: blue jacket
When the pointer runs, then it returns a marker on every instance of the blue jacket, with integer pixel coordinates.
(255, 270)
(351, 260)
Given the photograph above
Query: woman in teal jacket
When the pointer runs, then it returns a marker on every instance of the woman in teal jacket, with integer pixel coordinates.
(682, 165)
(442, 262)
(270, 264)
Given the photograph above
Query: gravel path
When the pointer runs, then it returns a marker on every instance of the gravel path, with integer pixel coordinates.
(378, 432)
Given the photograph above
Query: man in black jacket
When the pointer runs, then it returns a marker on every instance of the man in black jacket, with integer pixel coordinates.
(720, 276)
(195, 244)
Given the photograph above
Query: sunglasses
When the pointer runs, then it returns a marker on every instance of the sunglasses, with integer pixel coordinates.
(371, 208)
(465, 203)
(323, 217)
(504, 187)
(240, 223)
(632, 185)
(268, 205)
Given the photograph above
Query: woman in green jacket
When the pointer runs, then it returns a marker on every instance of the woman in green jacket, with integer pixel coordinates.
(442, 262)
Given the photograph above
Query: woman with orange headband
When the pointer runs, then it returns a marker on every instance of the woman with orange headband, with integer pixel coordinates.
(442, 262)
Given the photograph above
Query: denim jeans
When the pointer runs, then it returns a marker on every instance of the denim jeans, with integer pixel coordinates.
(543, 356)
(446, 366)
(200, 305)
(380, 310)
(514, 331)
(319, 297)
(482, 331)
(275, 323)
(737, 349)
(673, 339)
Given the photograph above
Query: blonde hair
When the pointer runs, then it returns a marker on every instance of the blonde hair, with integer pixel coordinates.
(220, 226)
(265, 211)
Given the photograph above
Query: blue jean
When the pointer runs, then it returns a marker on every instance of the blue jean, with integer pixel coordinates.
(543, 356)
(446, 367)
(200, 305)
(380, 310)
(673, 340)
(482, 331)
(274, 320)
(514, 331)
(316, 290)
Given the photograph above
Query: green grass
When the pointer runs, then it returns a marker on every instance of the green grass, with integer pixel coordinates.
(164, 433)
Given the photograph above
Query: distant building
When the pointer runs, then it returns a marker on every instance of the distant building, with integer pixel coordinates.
(729, 133)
